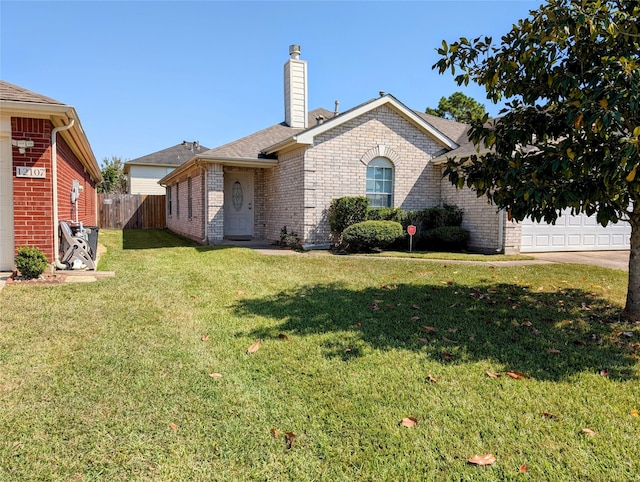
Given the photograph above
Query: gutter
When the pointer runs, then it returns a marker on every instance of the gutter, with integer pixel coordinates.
(205, 204)
(54, 179)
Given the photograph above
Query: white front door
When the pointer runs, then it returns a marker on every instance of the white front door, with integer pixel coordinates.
(6, 197)
(238, 204)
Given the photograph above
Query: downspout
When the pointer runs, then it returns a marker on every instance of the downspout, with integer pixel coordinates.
(205, 203)
(500, 231)
(54, 178)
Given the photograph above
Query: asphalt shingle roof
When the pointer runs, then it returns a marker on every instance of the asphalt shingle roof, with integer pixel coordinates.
(251, 146)
(14, 93)
(172, 156)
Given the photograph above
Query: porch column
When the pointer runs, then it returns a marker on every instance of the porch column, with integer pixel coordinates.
(215, 203)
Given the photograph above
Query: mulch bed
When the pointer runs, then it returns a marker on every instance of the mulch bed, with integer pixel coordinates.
(45, 279)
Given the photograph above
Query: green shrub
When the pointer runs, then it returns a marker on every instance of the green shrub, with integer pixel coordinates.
(31, 262)
(445, 238)
(369, 235)
(291, 240)
(388, 214)
(437, 217)
(345, 211)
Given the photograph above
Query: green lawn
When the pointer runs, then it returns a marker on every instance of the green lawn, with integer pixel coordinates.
(112, 380)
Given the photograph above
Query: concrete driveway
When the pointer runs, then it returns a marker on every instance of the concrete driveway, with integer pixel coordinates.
(606, 259)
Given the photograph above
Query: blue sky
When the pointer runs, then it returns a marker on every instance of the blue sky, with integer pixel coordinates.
(143, 76)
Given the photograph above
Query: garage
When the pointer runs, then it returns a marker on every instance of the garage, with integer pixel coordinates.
(574, 233)
(6, 198)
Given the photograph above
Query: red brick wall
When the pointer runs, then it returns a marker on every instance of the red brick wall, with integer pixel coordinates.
(33, 206)
(70, 168)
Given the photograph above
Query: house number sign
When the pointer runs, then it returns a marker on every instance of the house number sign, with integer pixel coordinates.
(34, 172)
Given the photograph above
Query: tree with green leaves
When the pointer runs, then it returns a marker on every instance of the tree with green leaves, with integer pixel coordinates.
(569, 135)
(458, 107)
(113, 178)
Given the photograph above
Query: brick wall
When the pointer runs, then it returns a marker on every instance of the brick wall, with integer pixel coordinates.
(179, 221)
(33, 204)
(490, 229)
(336, 166)
(284, 195)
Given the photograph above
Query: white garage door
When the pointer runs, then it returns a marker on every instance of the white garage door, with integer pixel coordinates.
(6, 203)
(574, 233)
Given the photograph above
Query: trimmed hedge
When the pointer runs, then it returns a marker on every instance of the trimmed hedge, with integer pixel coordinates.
(345, 211)
(369, 235)
(446, 238)
(31, 262)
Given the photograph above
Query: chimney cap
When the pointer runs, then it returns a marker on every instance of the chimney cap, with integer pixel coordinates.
(294, 51)
(382, 93)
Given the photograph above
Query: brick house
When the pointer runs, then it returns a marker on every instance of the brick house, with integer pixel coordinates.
(44, 154)
(288, 174)
(143, 173)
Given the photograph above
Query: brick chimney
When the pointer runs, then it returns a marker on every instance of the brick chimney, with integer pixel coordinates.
(295, 90)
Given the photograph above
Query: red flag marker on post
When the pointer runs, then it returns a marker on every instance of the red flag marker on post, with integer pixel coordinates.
(411, 229)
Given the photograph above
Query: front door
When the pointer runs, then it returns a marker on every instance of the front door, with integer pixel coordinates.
(238, 205)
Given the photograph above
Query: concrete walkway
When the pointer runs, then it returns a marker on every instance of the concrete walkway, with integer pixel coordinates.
(606, 259)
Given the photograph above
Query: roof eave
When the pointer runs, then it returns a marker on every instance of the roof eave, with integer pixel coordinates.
(307, 137)
(60, 115)
(286, 145)
(225, 161)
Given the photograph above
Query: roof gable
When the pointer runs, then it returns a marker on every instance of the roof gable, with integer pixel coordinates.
(307, 136)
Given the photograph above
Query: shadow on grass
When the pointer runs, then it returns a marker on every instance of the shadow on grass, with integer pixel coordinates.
(160, 238)
(549, 336)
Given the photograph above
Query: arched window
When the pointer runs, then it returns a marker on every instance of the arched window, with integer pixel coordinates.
(380, 183)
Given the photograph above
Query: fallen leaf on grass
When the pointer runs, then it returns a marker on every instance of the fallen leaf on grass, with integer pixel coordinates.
(254, 347)
(174, 427)
(374, 306)
(579, 343)
(409, 422)
(290, 437)
(447, 356)
(424, 340)
(429, 329)
(587, 431)
(447, 340)
(204, 337)
(217, 376)
(274, 433)
(239, 292)
(452, 330)
(522, 469)
(358, 325)
(486, 459)
(493, 375)
(415, 307)
(548, 415)
(415, 318)
(516, 375)
(604, 372)
(634, 413)
(526, 323)
(553, 351)
(283, 336)
(433, 379)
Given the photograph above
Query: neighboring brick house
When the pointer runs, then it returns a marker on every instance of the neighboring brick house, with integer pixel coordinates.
(44, 153)
(144, 172)
(287, 175)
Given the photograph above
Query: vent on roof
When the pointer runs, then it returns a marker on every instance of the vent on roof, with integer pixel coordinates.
(320, 119)
(335, 112)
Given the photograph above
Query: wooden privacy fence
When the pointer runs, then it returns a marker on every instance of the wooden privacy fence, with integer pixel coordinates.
(131, 211)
